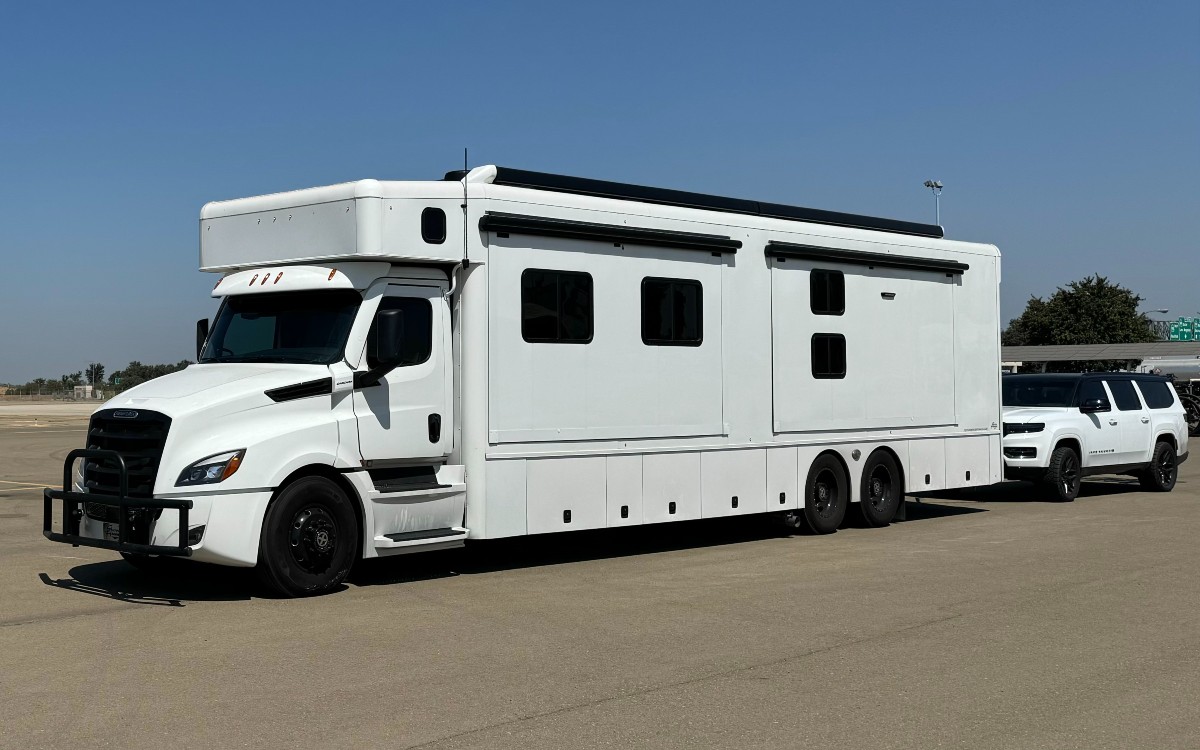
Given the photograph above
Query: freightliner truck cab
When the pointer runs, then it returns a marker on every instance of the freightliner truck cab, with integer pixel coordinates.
(318, 424)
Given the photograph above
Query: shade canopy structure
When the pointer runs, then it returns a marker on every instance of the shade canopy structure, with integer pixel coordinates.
(1083, 352)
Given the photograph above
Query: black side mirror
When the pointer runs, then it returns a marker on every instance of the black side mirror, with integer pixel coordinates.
(391, 334)
(1093, 405)
(201, 335)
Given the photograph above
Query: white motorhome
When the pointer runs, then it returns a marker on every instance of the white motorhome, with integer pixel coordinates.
(403, 366)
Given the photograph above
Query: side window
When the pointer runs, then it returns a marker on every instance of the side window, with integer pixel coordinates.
(556, 307)
(672, 312)
(1089, 390)
(828, 355)
(1157, 393)
(1124, 395)
(433, 225)
(826, 292)
(418, 330)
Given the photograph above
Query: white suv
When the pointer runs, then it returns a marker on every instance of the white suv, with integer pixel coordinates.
(1061, 428)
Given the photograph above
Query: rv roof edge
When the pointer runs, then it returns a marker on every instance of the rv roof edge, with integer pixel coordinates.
(665, 196)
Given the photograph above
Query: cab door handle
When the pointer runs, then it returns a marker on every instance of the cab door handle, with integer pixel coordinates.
(435, 427)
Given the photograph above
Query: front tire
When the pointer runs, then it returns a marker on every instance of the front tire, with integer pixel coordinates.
(882, 489)
(1063, 475)
(1163, 471)
(309, 539)
(826, 495)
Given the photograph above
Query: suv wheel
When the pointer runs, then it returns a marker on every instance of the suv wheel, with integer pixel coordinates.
(1163, 470)
(1063, 474)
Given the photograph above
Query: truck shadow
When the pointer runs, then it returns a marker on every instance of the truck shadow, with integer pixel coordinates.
(602, 544)
(1028, 492)
(174, 583)
(171, 585)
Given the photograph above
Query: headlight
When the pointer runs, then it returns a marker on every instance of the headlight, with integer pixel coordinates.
(1016, 428)
(213, 469)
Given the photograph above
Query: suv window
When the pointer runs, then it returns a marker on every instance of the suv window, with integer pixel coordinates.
(1157, 394)
(1090, 389)
(1124, 394)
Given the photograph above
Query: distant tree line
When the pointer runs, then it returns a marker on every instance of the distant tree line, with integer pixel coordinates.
(127, 377)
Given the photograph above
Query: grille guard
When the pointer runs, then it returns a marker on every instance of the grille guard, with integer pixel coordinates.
(73, 513)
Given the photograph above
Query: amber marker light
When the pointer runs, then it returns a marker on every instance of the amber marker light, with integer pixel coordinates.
(331, 273)
(278, 276)
(253, 279)
(232, 466)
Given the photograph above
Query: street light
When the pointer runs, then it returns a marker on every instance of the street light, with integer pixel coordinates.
(936, 187)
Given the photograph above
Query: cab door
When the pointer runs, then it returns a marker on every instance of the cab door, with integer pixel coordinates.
(406, 415)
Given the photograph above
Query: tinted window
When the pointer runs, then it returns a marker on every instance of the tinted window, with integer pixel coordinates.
(1157, 394)
(828, 355)
(556, 307)
(416, 342)
(299, 327)
(672, 312)
(433, 226)
(1124, 395)
(827, 292)
(1091, 389)
(1036, 391)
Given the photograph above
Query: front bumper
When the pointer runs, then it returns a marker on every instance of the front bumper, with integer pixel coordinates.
(73, 515)
(212, 527)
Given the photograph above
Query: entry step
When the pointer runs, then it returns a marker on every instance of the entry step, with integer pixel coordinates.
(425, 537)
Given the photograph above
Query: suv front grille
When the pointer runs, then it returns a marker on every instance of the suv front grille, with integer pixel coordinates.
(139, 439)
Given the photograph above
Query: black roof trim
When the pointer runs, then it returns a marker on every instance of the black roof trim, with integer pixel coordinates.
(1090, 375)
(858, 258)
(624, 191)
(319, 387)
(585, 230)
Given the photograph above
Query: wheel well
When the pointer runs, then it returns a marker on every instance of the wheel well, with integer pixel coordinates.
(845, 472)
(332, 474)
(1071, 443)
(1166, 437)
(899, 465)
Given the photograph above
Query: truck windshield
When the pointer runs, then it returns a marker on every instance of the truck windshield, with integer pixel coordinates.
(295, 327)
(1025, 390)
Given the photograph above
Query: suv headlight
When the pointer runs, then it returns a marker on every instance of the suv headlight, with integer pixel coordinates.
(1017, 428)
(213, 469)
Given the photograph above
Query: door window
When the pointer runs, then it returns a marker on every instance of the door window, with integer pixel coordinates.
(1124, 395)
(417, 336)
(1091, 389)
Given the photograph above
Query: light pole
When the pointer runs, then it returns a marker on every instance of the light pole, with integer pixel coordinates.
(936, 187)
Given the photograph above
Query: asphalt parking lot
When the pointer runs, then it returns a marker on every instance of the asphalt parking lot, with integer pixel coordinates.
(990, 619)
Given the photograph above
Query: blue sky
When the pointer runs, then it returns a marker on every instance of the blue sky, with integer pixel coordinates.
(1066, 133)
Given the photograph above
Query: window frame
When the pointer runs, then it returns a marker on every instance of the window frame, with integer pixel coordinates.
(830, 375)
(434, 211)
(671, 282)
(812, 298)
(591, 312)
(373, 332)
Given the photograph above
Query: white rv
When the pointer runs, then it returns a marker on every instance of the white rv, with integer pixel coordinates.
(403, 366)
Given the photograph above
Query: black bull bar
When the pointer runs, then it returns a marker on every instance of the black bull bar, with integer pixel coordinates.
(73, 513)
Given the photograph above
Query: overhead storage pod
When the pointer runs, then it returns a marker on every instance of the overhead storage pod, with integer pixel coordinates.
(861, 340)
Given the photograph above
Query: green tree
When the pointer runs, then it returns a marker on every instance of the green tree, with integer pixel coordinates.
(1090, 311)
(94, 373)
